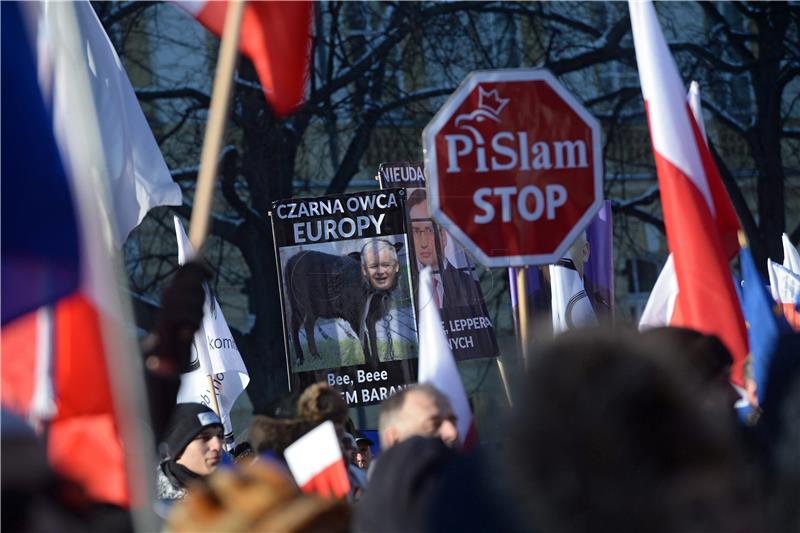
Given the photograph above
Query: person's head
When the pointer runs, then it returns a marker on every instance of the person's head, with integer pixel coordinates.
(424, 231)
(269, 434)
(320, 402)
(705, 356)
(349, 448)
(379, 264)
(609, 431)
(243, 454)
(363, 452)
(194, 438)
(579, 252)
(419, 410)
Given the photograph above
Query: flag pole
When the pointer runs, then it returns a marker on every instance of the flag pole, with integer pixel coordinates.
(217, 117)
(522, 315)
(214, 401)
(212, 143)
(501, 367)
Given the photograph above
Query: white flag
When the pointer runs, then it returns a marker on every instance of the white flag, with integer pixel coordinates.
(134, 170)
(436, 363)
(784, 284)
(570, 304)
(791, 259)
(661, 303)
(213, 352)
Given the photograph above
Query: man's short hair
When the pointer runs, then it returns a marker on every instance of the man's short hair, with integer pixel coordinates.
(416, 197)
(375, 246)
(391, 406)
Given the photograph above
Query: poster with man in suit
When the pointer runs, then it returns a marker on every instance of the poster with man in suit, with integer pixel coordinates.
(457, 292)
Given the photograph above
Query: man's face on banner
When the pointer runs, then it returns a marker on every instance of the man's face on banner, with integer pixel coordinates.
(424, 236)
(380, 266)
(579, 251)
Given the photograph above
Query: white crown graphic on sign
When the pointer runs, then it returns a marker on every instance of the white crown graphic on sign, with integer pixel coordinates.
(490, 105)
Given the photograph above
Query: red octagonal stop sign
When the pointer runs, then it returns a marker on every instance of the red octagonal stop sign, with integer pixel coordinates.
(514, 166)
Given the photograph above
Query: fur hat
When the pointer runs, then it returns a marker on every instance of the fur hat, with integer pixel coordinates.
(276, 434)
(187, 421)
(260, 497)
(319, 402)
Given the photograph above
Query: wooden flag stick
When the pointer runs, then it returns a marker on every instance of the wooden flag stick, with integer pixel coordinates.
(522, 315)
(501, 367)
(215, 130)
(214, 401)
(212, 143)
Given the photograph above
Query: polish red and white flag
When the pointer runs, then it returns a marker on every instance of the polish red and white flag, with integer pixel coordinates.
(317, 464)
(785, 287)
(791, 259)
(276, 36)
(699, 218)
(660, 308)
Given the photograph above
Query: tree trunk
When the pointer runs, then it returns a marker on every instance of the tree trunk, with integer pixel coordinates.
(269, 149)
(765, 135)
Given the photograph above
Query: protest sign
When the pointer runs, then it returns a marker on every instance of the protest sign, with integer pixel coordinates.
(465, 318)
(346, 294)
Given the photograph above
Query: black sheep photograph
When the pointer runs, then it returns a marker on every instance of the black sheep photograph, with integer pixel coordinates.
(348, 303)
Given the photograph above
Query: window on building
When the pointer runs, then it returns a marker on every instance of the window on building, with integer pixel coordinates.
(641, 274)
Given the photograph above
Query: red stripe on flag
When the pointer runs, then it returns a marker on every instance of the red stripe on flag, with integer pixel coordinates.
(725, 217)
(83, 440)
(81, 374)
(19, 363)
(330, 482)
(276, 37)
(708, 300)
(87, 450)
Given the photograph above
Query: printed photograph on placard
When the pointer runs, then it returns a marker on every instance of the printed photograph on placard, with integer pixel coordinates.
(345, 280)
(457, 292)
(348, 303)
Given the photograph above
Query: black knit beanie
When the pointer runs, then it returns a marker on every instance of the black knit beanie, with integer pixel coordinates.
(187, 421)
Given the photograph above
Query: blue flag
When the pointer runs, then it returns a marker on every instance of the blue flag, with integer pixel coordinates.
(764, 318)
(40, 245)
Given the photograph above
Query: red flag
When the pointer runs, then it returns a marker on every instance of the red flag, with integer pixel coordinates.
(700, 221)
(276, 36)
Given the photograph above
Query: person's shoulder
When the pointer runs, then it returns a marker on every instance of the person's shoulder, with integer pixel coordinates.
(166, 489)
(455, 272)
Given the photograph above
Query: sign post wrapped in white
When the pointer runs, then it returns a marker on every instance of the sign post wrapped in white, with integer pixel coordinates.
(214, 353)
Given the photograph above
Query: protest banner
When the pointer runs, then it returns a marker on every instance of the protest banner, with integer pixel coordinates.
(346, 293)
(465, 318)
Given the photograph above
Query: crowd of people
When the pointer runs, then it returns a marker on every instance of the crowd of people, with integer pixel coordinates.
(613, 431)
